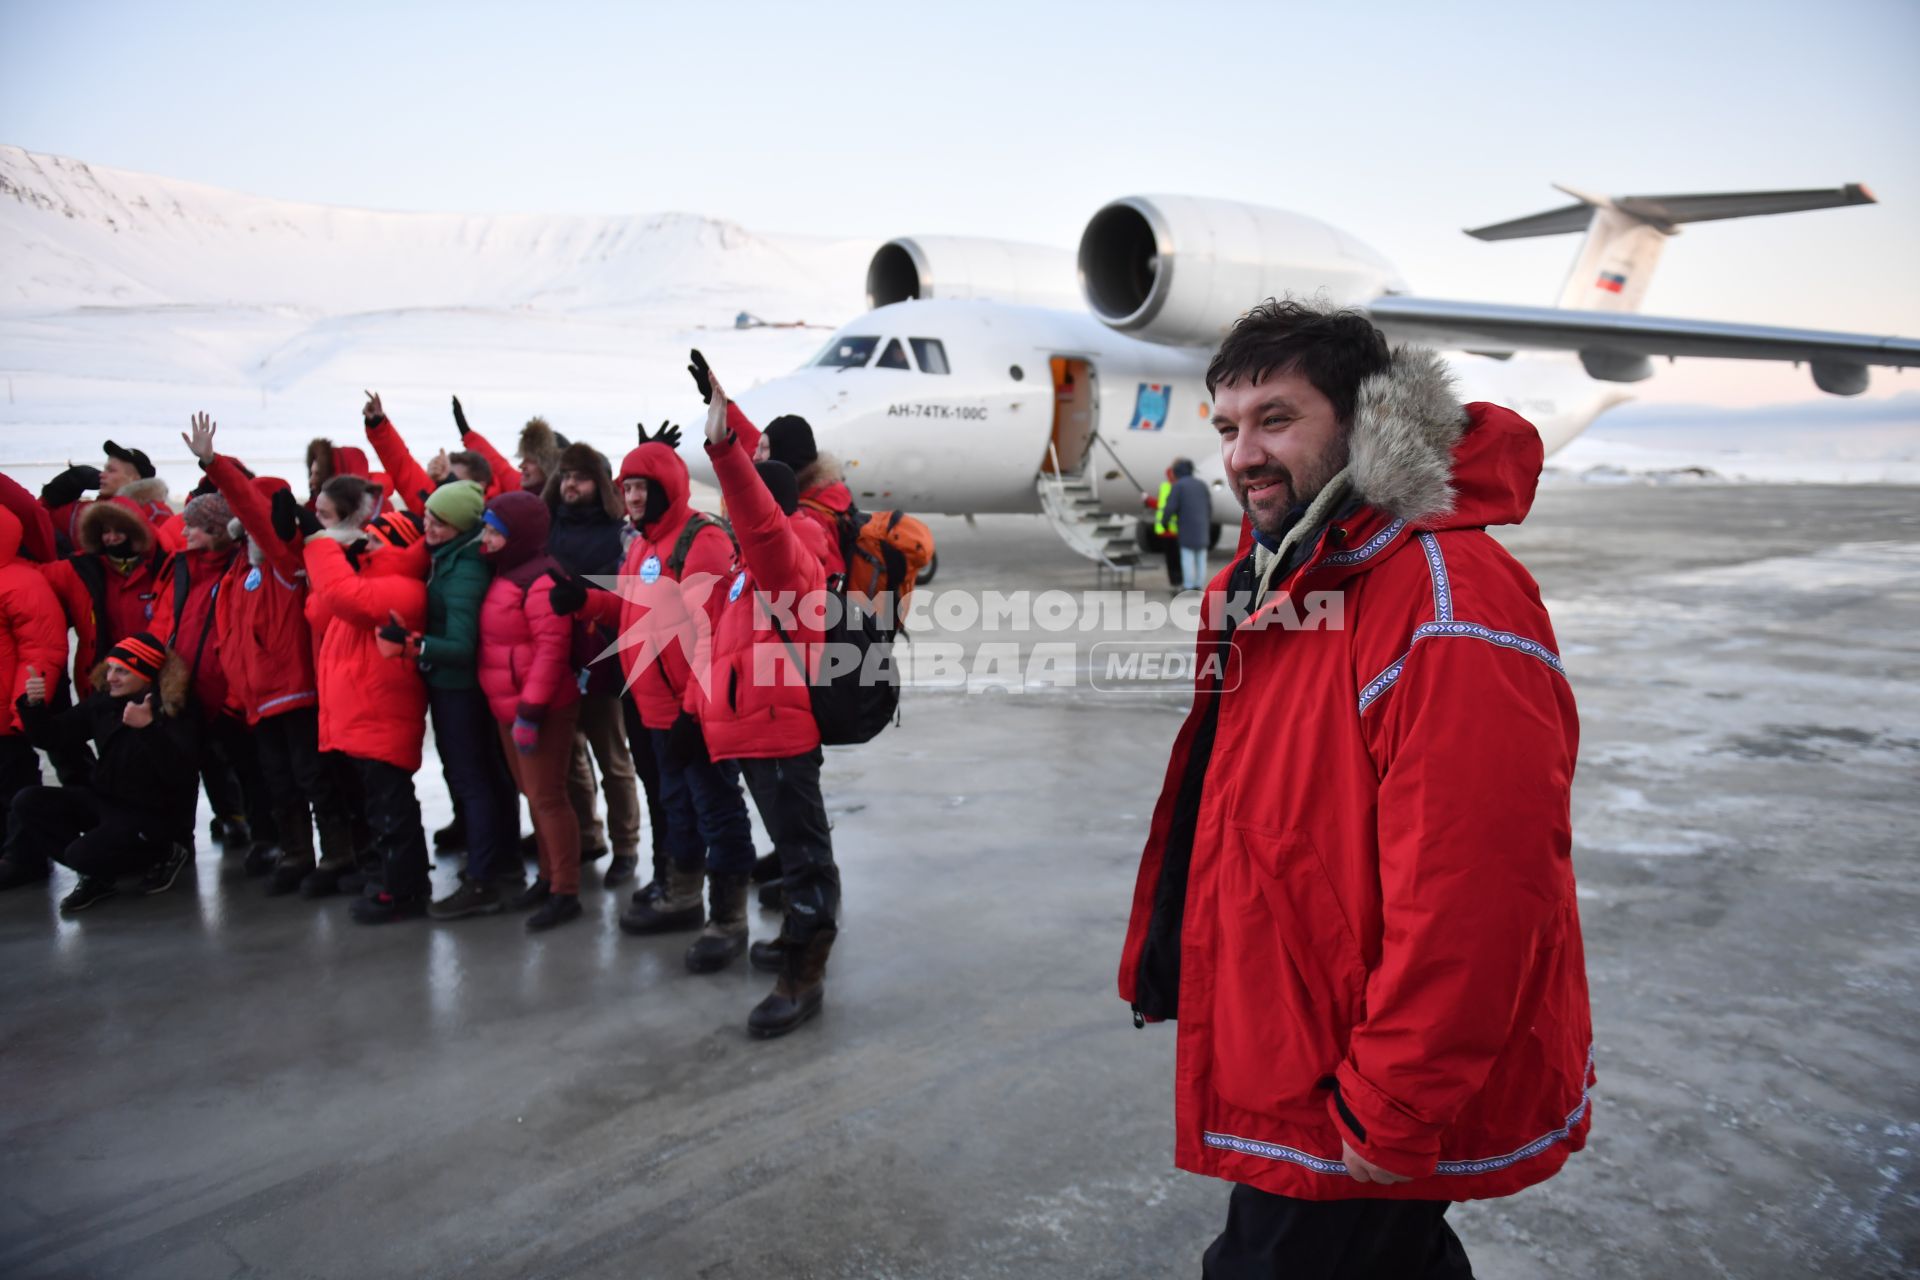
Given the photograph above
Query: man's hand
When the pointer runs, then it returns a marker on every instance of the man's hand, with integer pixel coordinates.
(290, 518)
(371, 413)
(70, 485)
(438, 468)
(702, 375)
(200, 439)
(138, 713)
(668, 434)
(717, 430)
(36, 688)
(1365, 1171)
(568, 593)
(460, 418)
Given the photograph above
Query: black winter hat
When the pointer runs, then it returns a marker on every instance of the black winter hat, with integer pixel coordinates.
(780, 482)
(790, 440)
(139, 460)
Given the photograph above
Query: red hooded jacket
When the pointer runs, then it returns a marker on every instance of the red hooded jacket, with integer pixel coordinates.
(525, 660)
(266, 645)
(1357, 894)
(755, 703)
(107, 600)
(185, 615)
(32, 633)
(371, 706)
(658, 626)
(36, 525)
(823, 504)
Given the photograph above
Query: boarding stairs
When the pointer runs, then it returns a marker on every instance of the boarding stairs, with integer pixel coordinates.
(1073, 508)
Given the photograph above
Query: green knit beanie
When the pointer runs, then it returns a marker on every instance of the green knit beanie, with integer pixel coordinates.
(459, 503)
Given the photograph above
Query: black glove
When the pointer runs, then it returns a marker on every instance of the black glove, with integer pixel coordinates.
(394, 633)
(70, 485)
(289, 517)
(702, 375)
(686, 745)
(460, 418)
(668, 434)
(569, 594)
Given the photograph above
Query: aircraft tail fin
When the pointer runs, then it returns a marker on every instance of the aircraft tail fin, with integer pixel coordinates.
(1625, 234)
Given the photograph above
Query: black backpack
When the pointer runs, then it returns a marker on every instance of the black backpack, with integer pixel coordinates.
(861, 695)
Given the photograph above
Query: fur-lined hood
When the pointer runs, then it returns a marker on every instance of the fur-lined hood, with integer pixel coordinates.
(584, 457)
(119, 513)
(172, 685)
(1421, 456)
(150, 492)
(824, 470)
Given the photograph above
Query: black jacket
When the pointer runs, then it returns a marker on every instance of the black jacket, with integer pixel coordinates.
(151, 774)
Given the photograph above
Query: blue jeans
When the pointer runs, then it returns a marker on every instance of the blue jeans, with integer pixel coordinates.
(1193, 568)
(469, 745)
(705, 813)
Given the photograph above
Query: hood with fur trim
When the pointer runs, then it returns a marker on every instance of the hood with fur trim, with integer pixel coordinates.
(1418, 454)
(823, 471)
(150, 493)
(119, 513)
(585, 458)
(172, 684)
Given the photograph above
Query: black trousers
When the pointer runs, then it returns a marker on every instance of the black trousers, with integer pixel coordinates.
(19, 767)
(231, 772)
(296, 774)
(640, 747)
(393, 813)
(71, 826)
(1271, 1237)
(787, 790)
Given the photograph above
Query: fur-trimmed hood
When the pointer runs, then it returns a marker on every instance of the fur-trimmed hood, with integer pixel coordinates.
(584, 457)
(149, 492)
(172, 685)
(824, 470)
(1420, 455)
(119, 513)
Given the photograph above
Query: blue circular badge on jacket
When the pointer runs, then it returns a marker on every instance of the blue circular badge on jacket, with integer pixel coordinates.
(253, 579)
(739, 585)
(650, 570)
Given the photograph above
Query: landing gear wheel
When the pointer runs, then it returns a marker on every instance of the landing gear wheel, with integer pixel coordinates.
(926, 575)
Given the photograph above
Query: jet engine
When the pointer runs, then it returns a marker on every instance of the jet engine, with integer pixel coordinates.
(970, 267)
(1179, 270)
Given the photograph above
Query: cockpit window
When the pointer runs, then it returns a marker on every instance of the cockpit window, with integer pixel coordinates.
(931, 353)
(894, 357)
(848, 353)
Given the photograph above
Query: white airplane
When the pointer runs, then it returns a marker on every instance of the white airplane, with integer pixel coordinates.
(979, 383)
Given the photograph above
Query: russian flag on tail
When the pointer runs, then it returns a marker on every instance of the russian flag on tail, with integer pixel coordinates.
(1611, 281)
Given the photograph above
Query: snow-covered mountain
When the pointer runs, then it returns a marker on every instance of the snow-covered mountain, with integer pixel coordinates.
(127, 301)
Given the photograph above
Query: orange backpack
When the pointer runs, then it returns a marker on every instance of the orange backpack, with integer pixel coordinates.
(884, 551)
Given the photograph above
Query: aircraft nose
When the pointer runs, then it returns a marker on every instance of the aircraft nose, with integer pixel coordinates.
(798, 394)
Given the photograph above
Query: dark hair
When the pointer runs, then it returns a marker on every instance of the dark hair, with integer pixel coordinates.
(346, 493)
(478, 468)
(1335, 350)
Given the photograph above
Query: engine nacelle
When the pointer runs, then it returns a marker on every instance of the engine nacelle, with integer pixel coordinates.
(970, 267)
(1179, 270)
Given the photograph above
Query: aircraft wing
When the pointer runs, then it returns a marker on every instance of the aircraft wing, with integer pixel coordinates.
(1617, 347)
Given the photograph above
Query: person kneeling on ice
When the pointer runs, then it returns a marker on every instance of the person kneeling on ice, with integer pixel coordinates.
(754, 705)
(134, 817)
(527, 674)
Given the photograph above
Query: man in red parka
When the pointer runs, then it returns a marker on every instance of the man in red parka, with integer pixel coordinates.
(1357, 893)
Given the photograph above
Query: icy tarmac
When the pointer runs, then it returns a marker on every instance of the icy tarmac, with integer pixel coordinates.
(210, 1083)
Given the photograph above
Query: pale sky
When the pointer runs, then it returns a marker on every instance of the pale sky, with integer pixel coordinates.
(1401, 123)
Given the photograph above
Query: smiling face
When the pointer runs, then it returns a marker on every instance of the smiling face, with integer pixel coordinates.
(633, 490)
(438, 532)
(491, 540)
(122, 683)
(577, 489)
(1281, 443)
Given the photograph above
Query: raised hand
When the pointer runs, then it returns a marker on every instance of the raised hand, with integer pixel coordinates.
(200, 439)
(702, 375)
(717, 429)
(460, 418)
(371, 413)
(438, 468)
(668, 434)
(36, 687)
(138, 713)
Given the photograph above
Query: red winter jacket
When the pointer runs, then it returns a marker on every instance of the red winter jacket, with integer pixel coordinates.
(372, 707)
(525, 660)
(823, 504)
(754, 703)
(1369, 830)
(266, 645)
(659, 619)
(106, 600)
(186, 616)
(36, 526)
(32, 633)
(411, 485)
(506, 476)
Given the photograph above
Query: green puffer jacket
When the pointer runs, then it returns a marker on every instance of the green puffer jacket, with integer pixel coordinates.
(455, 587)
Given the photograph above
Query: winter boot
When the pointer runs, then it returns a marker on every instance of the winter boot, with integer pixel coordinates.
(773, 895)
(767, 867)
(336, 857)
(675, 910)
(798, 993)
(556, 910)
(453, 835)
(234, 831)
(725, 937)
(296, 850)
(260, 859)
(769, 956)
(620, 870)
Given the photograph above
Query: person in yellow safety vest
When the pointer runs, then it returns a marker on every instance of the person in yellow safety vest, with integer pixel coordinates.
(1166, 532)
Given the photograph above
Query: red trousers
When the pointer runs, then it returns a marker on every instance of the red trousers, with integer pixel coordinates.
(541, 775)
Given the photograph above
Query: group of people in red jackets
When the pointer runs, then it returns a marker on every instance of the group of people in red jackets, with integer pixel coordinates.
(287, 656)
